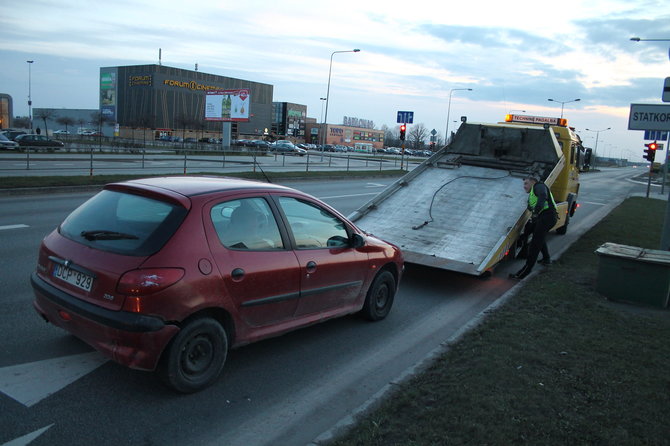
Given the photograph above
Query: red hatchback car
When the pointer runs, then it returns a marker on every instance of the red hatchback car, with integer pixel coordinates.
(167, 274)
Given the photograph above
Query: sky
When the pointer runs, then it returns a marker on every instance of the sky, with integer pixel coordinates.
(418, 56)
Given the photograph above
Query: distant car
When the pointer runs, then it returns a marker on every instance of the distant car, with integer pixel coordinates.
(90, 133)
(61, 132)
(260, 144)
(34, 140)
(6, 143)
(285, 146)
(169, 273)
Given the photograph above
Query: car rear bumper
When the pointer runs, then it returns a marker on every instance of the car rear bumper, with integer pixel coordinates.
(131, 339)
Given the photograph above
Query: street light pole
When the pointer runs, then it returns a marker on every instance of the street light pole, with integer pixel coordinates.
(30, 102)
(322, 126)
(563, 103)
(330, 70)
(595, 150)
(446, 132)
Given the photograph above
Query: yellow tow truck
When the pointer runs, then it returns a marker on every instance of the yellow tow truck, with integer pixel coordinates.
(464, 208)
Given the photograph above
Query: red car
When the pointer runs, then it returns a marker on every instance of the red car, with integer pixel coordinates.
(167, 274)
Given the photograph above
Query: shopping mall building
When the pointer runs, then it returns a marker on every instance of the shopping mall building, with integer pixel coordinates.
(172, 100)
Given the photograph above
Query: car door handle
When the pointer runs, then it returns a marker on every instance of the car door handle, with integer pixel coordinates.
(311, 266)
(237, 274)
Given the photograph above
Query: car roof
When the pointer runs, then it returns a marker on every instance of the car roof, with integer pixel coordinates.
(181, 187)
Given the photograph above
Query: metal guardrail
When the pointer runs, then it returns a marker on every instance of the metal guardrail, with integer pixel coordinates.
(90, 158)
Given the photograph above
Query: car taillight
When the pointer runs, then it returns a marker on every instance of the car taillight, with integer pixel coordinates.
(141, 282)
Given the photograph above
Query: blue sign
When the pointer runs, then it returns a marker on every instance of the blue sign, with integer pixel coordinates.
(655, 135)
(405, 117)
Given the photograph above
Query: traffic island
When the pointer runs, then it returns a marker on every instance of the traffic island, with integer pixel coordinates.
(634, 275)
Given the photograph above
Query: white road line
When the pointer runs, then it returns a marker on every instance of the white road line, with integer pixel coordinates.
(593, 202)
(30, 383)
(2, 228)
(27, 439)
(346, 196)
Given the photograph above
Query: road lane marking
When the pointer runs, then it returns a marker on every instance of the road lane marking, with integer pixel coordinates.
(30, 383)
(347, 196)
(2, 228)
(27, 439)
(593, 202)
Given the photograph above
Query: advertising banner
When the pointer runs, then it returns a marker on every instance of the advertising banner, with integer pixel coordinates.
(227, 105)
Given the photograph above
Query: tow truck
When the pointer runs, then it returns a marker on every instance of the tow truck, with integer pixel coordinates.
(464, 208)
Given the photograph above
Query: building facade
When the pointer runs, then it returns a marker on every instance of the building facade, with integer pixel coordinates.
(344, 135)
(6, 111)
(172, 100)
(288, 120)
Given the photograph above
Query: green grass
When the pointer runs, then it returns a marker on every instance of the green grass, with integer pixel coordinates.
(557, 365)
(82, 180)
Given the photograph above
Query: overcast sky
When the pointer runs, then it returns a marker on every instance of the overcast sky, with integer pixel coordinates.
(514, 55)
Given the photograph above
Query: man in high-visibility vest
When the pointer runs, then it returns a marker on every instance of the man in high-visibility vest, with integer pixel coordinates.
(543, 208)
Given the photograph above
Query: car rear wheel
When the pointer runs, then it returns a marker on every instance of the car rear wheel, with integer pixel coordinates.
(195, 357)
(380, 296)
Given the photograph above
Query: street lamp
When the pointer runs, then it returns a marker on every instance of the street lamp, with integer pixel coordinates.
(30, 102)
(330, 69)
(563, 103)
(595, 150)
(446, 132)
(637, 39)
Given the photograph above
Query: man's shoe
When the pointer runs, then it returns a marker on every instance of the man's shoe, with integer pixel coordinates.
(523, 272)
(544, 261)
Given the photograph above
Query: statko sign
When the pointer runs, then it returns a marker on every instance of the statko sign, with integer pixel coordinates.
(649, 117)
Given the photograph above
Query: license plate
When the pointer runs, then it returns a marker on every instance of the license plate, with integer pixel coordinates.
(73, 277)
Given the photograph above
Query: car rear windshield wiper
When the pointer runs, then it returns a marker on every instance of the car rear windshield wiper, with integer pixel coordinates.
(107, 235)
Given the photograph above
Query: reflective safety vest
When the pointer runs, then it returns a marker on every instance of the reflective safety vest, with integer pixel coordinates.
(532, 200)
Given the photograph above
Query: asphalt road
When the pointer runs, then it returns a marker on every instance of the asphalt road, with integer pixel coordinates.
(282, 391)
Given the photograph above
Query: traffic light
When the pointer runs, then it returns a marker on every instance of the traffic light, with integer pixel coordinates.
(650, 151)
(403, 127)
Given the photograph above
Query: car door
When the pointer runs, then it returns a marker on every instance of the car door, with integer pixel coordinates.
(260, 272)
(332, 271)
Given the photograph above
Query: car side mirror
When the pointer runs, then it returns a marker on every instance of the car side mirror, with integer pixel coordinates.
(357, 241)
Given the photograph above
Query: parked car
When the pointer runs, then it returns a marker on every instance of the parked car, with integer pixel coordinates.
(285, 146)
(260, 144)
(12, 134)
(168, 274)
(61, 132)
(6, 143)
(34, 140)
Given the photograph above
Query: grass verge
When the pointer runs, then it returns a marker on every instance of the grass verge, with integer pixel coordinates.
(557, 365)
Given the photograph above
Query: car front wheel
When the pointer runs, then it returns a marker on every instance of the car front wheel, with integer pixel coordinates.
(195, 357)
(379, 299)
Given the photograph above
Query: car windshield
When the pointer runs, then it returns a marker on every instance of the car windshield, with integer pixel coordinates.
(123, 223)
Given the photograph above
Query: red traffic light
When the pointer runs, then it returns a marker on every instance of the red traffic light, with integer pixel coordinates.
(650, 151)
(403, 127)
(652, 145)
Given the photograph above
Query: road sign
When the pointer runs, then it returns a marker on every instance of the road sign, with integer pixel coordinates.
(649, 117)
(405, 117)
(655, 135)
(665, 97)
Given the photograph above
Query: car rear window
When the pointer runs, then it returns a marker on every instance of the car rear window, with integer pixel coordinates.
(123, 223)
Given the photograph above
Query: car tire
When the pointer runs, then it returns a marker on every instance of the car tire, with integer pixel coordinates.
(195, 357)
(379, 299)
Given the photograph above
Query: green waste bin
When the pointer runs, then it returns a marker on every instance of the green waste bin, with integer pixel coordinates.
(633, 274)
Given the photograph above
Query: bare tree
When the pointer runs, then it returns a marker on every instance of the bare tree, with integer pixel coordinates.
(21, 122)
(66, 121)
(44, 114)
(417, 135)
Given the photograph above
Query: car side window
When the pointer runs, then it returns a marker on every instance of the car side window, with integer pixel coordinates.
(246, 224)
(313, 226)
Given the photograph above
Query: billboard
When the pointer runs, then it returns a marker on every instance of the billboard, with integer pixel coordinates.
(227, 105)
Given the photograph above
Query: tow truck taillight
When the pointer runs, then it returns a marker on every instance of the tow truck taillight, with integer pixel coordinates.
(141, 282)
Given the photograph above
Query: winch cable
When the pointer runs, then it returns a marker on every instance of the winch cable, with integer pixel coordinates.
(432, 201)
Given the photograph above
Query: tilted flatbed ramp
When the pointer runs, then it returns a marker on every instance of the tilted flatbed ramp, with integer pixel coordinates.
(463, 208)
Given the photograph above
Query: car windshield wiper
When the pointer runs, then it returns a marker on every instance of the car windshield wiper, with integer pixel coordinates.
(102, 234)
